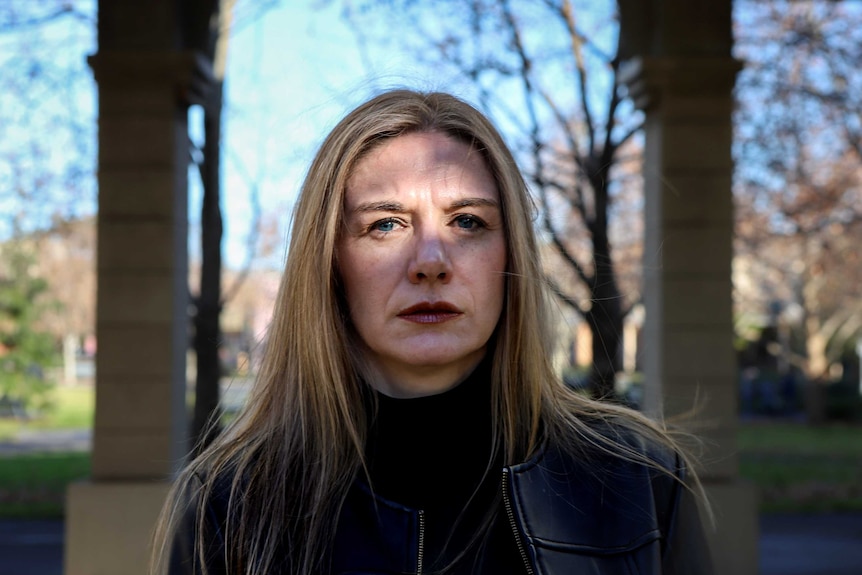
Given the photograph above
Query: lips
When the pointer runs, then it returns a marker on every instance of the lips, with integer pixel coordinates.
(430, 312)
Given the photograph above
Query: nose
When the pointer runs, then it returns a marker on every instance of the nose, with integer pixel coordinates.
(430, 261)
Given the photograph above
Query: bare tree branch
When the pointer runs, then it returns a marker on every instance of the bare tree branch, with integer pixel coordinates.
(14, 24)
(609, 148)
(576, 43)
(565, 298)
(526, 75)
(558, 244)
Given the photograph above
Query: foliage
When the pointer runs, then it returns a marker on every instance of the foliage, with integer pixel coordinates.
(798, 183)
(25, 349)
(800, 95)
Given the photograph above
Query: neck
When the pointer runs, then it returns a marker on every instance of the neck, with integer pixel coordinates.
(410, 381)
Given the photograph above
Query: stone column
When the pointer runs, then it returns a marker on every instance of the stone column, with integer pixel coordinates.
(689, 362)
(678, 68)
(140, 422)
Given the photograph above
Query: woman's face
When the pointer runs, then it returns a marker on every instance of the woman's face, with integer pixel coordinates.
(422, 261)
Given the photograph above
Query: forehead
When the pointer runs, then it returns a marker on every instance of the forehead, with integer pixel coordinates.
(417, 160)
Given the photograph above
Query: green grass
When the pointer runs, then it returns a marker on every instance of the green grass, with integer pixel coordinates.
(70, 408)
(803, 469)
(835, 439)
(34, 486)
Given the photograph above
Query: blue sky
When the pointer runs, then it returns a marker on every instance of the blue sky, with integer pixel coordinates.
(293, 71)
(47, 120)
(296, 70)
(292, 74)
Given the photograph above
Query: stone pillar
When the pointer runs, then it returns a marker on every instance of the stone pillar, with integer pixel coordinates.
(140, 423)
(679, 71)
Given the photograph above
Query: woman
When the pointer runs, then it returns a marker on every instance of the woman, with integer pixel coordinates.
(406, 417)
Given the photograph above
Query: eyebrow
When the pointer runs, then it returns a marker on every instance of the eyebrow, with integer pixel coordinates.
(396, 207)
(474, 202)
(384, 206)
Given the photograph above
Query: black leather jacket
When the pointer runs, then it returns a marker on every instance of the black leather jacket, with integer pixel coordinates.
(607, 516)
(597, 515)
(591, 516)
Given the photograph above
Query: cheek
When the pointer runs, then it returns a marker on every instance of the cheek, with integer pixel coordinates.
(498, 262)
(348, 277)
(492, 280)
(365, 279)
(354, 283)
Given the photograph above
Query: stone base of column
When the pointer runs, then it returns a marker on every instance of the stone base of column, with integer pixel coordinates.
(109, 526)
(734, 541)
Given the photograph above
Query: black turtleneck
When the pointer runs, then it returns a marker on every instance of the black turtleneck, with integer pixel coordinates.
(426, 450)
(432, 454)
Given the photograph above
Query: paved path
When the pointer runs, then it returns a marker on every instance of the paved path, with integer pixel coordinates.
(46, 441)
(789, 545)
(31, 547)
(811, 544)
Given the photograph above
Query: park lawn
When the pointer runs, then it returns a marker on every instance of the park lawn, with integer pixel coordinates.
(70, 408)
(801, 468)
(34, 486)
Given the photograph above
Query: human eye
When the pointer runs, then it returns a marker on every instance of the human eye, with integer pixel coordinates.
(468, 222)
(385, 225)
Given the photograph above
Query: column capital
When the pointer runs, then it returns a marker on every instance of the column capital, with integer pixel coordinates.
(190, 73)
(647, 79)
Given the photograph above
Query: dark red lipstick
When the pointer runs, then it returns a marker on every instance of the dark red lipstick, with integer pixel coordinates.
(430, 312)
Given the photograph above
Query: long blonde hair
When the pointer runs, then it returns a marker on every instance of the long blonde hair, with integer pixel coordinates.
(291, 455)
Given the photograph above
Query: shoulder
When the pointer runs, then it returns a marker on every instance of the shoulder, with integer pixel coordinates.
(609, 454)
(621, 491)
(613, 504)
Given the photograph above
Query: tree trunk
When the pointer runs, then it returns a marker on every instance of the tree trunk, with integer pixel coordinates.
(207, 333)
(606, 323)
(605, 317)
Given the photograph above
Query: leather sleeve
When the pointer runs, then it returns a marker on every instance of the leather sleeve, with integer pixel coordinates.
(685, 550)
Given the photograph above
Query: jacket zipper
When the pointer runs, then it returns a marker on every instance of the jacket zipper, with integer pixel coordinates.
(421, 552)
(512, 523)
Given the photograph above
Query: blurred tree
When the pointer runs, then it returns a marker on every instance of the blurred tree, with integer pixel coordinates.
(47, 172)
(47, 182)
(799, 168)
(207, 27)
(67, 261)
(548, 73)
(206, 30)
(26, 350)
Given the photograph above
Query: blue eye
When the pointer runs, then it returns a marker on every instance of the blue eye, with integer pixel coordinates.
(468, 222)
(387, 225)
